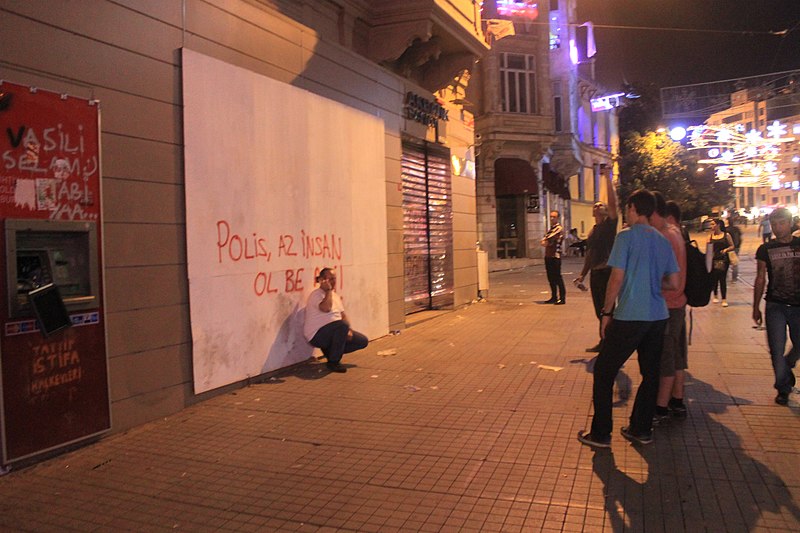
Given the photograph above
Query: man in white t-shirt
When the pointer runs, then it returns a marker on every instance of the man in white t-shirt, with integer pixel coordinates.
(326, 325)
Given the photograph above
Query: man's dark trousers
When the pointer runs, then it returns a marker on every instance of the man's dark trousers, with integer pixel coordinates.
(622, 338)
(552, 265)
(332, 340)
(598, 282)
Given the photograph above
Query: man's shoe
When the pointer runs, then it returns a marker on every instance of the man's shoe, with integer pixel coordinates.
(336, 367)
(550, 301)
(677, 408)
(595, 348)
(782, 398)
(594, 442)
(661, 419)
(562, 301)
(636, 438)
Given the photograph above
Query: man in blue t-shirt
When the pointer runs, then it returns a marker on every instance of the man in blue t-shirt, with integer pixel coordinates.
(642, 264)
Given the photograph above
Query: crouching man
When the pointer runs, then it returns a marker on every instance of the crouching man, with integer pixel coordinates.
(327, 327)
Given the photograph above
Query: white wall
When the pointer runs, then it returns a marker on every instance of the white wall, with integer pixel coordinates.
(273, 173)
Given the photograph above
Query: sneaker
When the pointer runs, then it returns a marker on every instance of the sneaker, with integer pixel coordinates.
(677, 408)
(782, 398)
(636, 438)
(724, 303)
(715, 300)
(594, 442)
(660, 420)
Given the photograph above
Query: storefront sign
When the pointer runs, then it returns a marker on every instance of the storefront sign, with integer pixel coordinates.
(607, 102)
(533, 203)
(424, 111)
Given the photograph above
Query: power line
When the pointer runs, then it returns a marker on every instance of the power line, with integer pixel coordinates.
(781, 33)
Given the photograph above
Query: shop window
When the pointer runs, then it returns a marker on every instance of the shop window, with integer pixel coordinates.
(557, 107)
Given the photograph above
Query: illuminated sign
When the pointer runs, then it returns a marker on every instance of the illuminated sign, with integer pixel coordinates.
(605, 103)
(518, 8)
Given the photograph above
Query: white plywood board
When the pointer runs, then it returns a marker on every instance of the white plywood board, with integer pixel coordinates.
(279, 183)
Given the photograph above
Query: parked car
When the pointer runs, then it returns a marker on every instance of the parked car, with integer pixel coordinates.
(701, 223)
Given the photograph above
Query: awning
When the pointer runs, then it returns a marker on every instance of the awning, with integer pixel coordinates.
(514, 177)
(555, 182)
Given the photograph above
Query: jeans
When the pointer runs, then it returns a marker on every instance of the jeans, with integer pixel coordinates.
(622, 338)
(778, 317)
(552, 265)
(332, 340)
(720, 280)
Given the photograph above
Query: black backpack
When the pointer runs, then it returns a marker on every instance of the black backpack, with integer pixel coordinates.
(699, 282)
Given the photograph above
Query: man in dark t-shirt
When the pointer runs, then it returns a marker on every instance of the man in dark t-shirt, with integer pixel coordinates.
(598, 248)
(779, 259)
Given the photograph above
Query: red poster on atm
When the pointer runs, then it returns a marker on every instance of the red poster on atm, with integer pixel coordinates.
(52, 344)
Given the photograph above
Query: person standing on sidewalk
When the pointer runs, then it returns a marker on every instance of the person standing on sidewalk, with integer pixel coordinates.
(642, 265)
(722, 244)
(779, 259)
(736, 236)
(552, 260)
(326, 326)
(598, 248)
(766, 229)
(666, 219)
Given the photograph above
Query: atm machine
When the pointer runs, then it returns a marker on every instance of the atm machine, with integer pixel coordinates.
(53, 366)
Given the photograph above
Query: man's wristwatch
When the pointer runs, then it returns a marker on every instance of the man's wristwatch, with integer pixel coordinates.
(603, 313)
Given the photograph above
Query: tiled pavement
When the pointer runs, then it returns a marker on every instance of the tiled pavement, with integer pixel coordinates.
(470, 426)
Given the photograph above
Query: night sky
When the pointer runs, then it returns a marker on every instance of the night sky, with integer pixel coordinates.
(671, 57)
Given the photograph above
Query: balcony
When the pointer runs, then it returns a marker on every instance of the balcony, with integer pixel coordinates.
(427, 41)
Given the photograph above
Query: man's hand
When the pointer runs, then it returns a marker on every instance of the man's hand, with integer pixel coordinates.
(605, 320)
(757, 318)
(579, 279)
(349, 334)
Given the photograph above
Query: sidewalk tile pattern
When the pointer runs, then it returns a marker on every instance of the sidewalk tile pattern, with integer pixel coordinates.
(471, 426)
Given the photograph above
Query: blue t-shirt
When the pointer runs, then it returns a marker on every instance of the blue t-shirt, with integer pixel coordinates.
(646, 257)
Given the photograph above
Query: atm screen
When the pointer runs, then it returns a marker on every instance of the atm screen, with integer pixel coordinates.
(33, 270)
(42, 252)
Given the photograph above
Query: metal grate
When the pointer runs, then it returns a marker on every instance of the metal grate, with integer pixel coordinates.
(427, 227)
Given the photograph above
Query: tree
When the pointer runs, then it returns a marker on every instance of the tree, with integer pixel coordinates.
(654, 161)
(642, 112)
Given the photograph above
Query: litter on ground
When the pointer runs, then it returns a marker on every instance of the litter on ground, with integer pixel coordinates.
(553, 368)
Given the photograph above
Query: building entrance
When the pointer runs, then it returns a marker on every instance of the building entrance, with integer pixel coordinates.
(427, 226)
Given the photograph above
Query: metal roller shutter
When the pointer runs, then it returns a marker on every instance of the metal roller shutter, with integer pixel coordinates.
(427, 227)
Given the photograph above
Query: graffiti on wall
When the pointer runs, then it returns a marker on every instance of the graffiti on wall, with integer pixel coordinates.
(49, 161)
